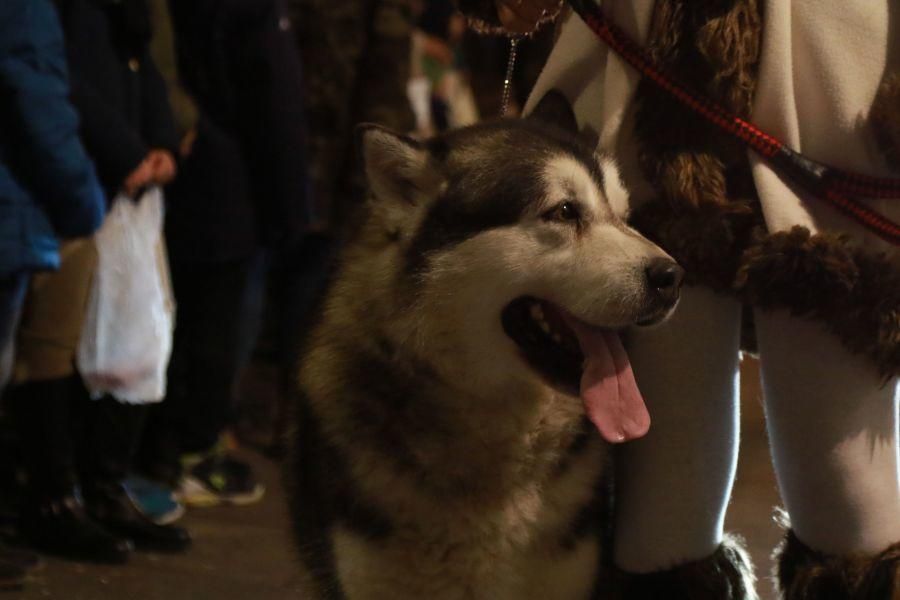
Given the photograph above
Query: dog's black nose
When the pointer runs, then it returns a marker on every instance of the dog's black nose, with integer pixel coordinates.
(664, 277)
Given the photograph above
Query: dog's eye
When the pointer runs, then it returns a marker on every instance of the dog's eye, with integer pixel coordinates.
(567, 211)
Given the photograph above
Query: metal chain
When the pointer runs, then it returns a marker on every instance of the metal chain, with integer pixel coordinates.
(507, 80)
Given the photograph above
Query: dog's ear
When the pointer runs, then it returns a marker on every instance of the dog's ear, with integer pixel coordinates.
(555, 109)
(397, 167)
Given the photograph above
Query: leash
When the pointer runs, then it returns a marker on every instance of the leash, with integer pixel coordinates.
(830, 184)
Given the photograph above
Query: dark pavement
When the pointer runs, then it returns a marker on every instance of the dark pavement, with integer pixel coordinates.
(238, 553)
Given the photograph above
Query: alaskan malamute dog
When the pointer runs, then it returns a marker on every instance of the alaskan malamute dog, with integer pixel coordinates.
(465, 379)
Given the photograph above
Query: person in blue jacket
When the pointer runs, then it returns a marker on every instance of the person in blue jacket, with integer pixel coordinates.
(76, 451)
(48, 186)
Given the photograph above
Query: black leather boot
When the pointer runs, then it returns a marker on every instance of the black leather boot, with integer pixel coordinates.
(110, 505)
(61, 527)
(41, 413)
(54, 520)
(111, 431)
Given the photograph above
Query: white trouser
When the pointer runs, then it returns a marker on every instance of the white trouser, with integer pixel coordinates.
(832, 427)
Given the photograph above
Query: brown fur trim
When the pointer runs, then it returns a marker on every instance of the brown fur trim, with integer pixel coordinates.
(725, 575)
(730, 41)
(855, 293)
(714, 47)
(805, 574)
(696, 178)
(720, 37)
(886, 119)
(706, 241)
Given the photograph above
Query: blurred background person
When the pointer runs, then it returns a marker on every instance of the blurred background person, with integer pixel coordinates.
(76, 450)
(48, 186)
(356, 64)
(356, 60)
(241, 199)
(439, 35)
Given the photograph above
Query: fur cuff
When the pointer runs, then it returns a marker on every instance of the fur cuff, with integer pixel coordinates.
(726, 575)
(707, 241)
(804, 574)
(854, 292)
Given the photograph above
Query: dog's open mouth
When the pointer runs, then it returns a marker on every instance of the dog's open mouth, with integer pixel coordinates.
(547, 344)
(579, 359)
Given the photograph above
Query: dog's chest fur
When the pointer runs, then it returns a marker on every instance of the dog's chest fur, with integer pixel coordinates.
(532, 546)
(440, 499)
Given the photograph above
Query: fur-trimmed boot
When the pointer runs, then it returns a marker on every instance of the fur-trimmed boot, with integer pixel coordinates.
(727, 574)
(805, 574)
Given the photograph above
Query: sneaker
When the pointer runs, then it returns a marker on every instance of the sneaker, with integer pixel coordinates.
(216, 479)
(155, 500)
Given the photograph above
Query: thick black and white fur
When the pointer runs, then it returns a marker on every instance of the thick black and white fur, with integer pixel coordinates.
(432, 461)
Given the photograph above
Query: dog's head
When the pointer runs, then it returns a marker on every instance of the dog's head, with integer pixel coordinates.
(509, 258)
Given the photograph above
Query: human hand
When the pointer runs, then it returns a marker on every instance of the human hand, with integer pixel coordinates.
(525, 16)
(140, 177)
(163, 164)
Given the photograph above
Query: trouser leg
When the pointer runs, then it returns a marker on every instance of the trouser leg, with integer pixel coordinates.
(673, 486)
(53, 315)
(205, 363)
(833, 427)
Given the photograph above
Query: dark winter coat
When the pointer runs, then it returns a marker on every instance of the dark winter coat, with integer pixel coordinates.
(116, 87)
(245, 183)
(48, 187)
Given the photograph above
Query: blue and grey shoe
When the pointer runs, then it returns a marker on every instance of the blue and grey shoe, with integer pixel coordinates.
(156, 501)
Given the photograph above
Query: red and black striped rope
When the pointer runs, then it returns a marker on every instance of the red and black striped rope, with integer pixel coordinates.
(822, 181)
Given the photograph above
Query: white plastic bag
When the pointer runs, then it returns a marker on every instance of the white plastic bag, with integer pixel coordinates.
(127, 337)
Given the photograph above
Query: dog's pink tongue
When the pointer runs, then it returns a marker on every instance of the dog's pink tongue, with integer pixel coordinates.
(610, 394)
